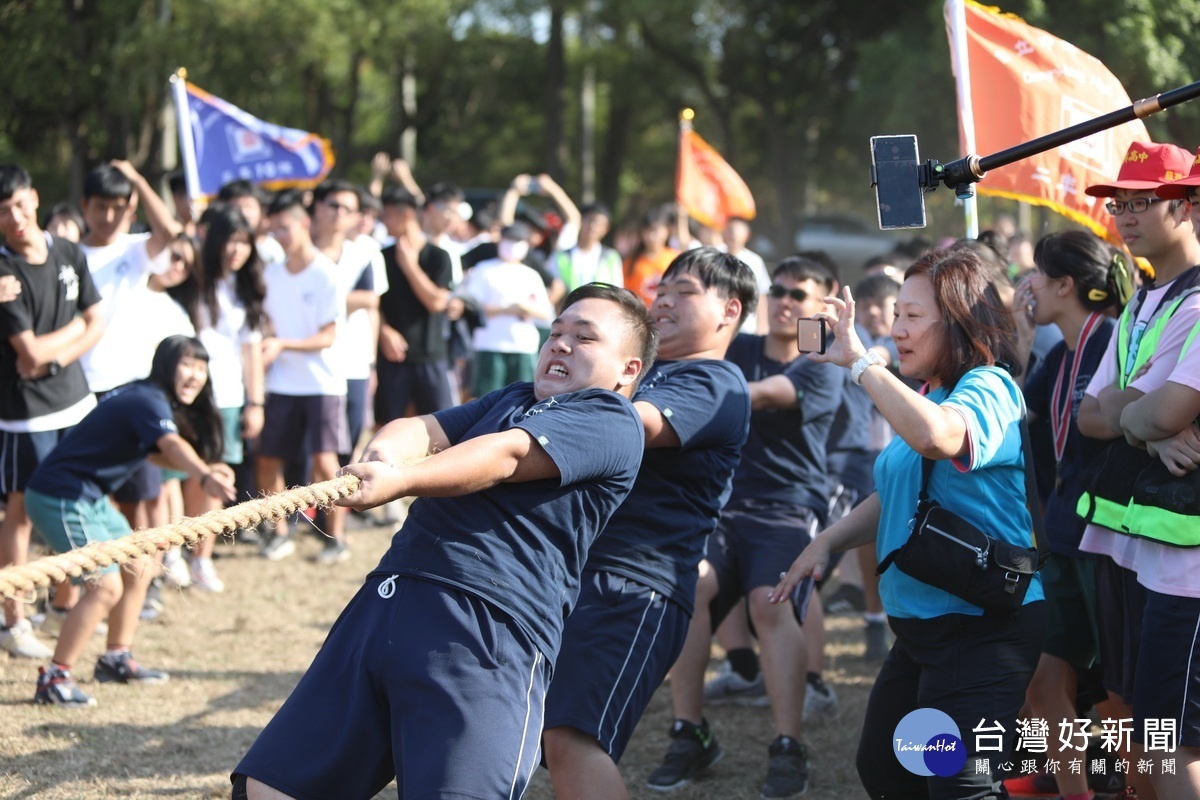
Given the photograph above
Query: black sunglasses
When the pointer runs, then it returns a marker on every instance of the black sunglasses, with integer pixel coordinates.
(778, 292)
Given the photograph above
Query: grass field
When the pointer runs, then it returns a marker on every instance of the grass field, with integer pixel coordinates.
(234, 658)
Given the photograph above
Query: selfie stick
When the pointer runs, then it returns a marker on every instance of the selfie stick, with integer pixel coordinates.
(961, 174)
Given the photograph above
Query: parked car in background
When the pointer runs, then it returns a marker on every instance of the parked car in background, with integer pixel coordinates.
(847, 238)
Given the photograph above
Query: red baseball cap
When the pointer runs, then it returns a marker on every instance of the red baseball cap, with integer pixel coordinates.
(1146, 166)
(1178, 190)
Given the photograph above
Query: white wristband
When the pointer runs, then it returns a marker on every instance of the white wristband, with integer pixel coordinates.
(860, 366)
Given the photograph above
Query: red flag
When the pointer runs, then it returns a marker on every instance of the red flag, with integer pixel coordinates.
(706, 186)
(1025, 83)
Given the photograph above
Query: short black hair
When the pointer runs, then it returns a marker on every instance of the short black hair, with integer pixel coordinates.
(107, 181)
(637, 317)
(240, 188)
(595, 208)
(803, 268)
(335, 186)
(877, 287)
(177, 183)
(287, 200)
(444, 192)
(398, 196)
(13, 178)
(67, 210)
(716, 269)
(822, 257)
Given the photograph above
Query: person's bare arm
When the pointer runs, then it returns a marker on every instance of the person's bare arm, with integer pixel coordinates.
(1092, 422)
(163, 225)
(775, 391)
(1161, 413)
(429, 294)
(859, 527)
(272, 347)
(551, 189)
(406, 440)
(511, 456)
(659, 432)
(215, 479)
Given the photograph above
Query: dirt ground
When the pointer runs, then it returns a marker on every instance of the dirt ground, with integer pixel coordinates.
(234, 657)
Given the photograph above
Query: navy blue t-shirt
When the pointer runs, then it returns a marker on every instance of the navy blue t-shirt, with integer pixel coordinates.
(522, 546)
(657, 536)
(1064, 528)
(851, 430)
(784, 457)
(108, 445)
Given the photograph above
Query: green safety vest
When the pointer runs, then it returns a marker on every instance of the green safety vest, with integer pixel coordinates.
(1107, 494)
(608, 270)
(1165, 508)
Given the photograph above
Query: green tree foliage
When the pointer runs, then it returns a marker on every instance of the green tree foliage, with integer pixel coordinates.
(789, 90)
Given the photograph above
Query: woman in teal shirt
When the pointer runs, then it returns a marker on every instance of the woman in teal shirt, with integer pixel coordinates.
(952, 331)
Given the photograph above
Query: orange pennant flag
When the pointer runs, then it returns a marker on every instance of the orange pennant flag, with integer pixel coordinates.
(1025, 83)
(706, 186)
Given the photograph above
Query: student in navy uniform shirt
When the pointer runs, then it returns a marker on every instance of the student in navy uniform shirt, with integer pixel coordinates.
(436, 672)
(779, 499)
(43, 392)
(640, 581)
(170, 416)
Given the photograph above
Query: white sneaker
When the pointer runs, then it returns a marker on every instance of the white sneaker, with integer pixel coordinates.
(51, 620)
(818, 702)
(279, 548)
(204, 575)
(730, 687)
(175, 569)
(20, 642)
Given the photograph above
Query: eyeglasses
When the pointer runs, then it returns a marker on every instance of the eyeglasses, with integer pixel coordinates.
(1137, 205)
(778, 292)
(340, 208)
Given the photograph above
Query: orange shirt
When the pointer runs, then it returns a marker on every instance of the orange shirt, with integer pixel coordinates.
(643, 273)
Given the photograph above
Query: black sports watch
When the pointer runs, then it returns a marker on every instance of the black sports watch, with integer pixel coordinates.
(54, 368)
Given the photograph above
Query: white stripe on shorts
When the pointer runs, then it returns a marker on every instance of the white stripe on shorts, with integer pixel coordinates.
(617, 682)
(512, 792)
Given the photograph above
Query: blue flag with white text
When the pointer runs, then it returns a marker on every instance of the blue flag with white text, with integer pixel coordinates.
(222, 143)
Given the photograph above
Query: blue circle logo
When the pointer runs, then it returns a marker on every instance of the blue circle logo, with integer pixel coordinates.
(927, 742)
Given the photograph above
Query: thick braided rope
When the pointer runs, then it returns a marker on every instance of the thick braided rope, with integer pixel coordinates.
(53, 569)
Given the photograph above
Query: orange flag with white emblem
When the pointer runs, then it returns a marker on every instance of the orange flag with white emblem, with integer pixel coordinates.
(706, 186)
(1025, 83)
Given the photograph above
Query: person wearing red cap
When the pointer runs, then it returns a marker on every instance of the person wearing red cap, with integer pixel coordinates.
(1148, 608)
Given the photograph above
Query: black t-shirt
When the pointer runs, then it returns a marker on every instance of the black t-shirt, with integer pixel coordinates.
(400, 308)
(108, 445)
(784, 456)
(658, 535)
(51, 295)
(1064, 528)
(522, 546)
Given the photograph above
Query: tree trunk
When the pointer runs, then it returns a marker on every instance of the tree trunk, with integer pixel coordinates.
(555, 84)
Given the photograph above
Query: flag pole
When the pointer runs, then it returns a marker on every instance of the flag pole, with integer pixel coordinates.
(681, 228)
(187, 144)
(956, 19)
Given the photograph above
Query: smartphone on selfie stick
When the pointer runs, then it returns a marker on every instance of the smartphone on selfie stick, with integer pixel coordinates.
(812, 334)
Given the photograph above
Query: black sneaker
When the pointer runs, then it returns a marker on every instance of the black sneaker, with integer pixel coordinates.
(787, 769)
(693, 749)
(123, 669)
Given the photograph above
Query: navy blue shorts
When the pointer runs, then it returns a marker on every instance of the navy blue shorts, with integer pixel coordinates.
(426, 385)
(20, 454)
(418, 681)
(144, 484)
(618, 644)
(292, 423)
(1167, 685)
(1120, 603)
(356, 415)
(754, 542)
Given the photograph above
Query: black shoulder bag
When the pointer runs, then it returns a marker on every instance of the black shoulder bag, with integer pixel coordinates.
(951, 554)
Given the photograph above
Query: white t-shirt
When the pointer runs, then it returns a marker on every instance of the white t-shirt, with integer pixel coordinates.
(354, 349)
(120, 271)
(455, 250)
(224, 341)
(1168, 570)
(761, 279)
(499, 283)
(269, 250)
(299, 306)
